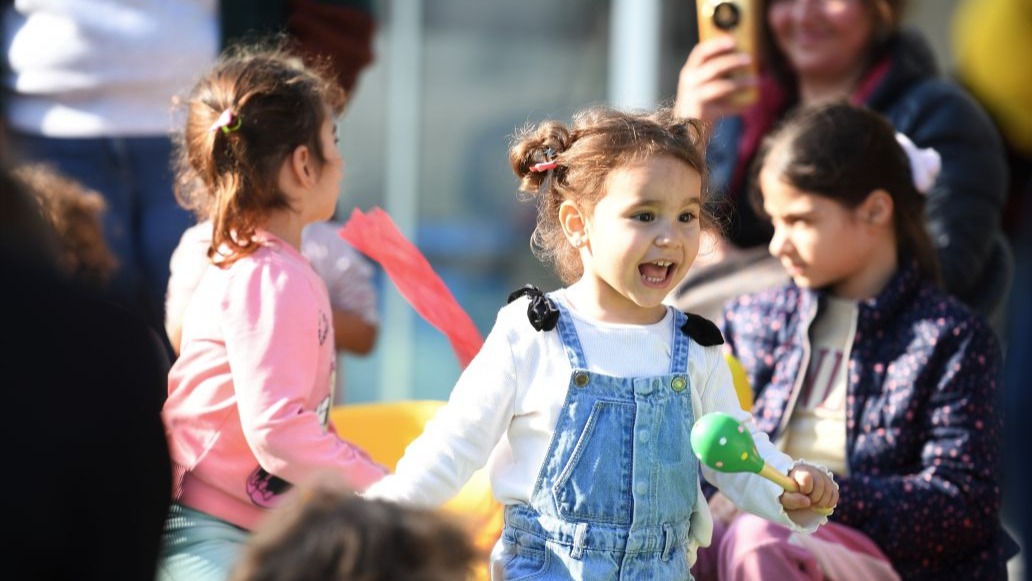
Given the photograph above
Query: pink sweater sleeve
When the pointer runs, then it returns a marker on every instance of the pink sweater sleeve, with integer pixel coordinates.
(279, 344)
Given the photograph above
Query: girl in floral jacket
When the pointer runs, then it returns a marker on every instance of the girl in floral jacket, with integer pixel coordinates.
(863, 364)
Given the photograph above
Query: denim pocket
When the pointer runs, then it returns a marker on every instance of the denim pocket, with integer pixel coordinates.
(595, 485)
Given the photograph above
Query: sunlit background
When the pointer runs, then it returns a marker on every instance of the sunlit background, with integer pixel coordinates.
(427, 134)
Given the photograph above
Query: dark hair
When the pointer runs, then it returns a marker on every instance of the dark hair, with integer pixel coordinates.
(599, 140)
(331, 534)
(888, 16)
(275, 103)
(75, 212)
(26, 233)
(844, 152)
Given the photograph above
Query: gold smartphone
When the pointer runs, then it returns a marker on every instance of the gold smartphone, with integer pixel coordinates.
(737, 19)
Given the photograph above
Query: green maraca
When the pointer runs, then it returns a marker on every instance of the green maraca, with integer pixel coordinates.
(722, 443)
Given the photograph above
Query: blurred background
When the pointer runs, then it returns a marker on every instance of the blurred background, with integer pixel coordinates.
(427, 135)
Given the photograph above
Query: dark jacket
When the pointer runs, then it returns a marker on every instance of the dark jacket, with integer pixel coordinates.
(923, 437)
(93, 448)
(965, 205)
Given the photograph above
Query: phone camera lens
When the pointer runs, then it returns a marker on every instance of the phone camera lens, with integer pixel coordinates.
(726, 15)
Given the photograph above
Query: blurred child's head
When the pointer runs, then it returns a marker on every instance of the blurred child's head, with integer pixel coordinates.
(574, 165)
(26, 234)
(255, 109)
(75, 213)
(839, 189)
(330, 534)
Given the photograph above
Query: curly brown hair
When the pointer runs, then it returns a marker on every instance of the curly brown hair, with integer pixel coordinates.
(599, 140)
(75, 213)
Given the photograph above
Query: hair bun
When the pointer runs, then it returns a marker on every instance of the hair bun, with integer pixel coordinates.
(925, 164)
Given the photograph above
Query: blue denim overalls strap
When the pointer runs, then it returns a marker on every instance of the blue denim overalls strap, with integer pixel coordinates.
(617, 488)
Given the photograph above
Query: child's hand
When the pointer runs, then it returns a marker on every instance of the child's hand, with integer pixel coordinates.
(816, 489)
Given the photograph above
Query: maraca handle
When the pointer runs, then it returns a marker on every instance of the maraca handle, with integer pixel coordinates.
(778, 478)
(787, 484)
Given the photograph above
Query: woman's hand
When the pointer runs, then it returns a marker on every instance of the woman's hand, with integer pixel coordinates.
(710, 79)
(816, 489)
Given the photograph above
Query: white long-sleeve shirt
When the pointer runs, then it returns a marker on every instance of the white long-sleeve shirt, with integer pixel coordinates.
(506, 404)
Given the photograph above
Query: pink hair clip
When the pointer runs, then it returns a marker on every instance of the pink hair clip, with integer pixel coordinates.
(228, 122)
(543, 166)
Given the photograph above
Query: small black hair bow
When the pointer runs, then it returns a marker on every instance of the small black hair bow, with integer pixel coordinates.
(542, 312)
(704, 331)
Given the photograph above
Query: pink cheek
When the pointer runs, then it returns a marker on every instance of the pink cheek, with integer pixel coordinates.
(777, 21)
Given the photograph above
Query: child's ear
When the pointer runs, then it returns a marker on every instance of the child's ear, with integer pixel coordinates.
(877, 208)
(300, 164)
(573, 223)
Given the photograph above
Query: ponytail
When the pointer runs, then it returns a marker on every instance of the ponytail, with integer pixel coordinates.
(244, 119)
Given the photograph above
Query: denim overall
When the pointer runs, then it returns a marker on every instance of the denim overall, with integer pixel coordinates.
(616, 491)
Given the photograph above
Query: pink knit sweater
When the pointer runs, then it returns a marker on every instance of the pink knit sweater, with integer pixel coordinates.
(249, 397)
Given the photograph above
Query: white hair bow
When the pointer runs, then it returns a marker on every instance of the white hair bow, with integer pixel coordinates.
(925, 164)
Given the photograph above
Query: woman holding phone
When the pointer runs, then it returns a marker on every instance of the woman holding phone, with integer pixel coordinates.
(815, 51)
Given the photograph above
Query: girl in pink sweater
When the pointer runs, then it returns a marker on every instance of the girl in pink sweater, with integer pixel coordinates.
(248, 403)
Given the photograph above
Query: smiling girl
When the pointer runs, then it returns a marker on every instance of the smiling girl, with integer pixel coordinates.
(584, 397)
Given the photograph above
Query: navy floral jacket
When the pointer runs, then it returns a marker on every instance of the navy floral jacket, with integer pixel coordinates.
(924, 433)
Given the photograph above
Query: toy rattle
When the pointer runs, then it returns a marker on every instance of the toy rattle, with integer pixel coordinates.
(722, 443)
